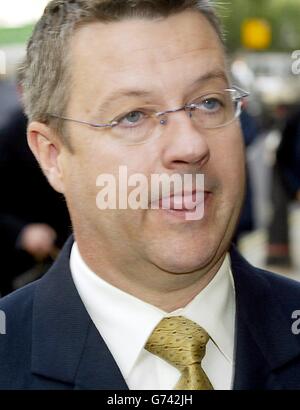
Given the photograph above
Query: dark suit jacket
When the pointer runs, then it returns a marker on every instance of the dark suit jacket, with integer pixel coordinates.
(51, 342)
(288, 155)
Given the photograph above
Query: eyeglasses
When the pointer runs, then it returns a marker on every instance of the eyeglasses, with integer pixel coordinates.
(213, 110)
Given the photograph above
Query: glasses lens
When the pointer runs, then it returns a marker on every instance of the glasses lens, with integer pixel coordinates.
(215, 110)
(136, 130)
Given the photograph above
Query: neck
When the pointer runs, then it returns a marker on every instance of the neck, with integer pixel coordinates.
(165, 290)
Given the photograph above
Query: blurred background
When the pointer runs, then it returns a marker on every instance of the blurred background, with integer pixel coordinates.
(263, 40)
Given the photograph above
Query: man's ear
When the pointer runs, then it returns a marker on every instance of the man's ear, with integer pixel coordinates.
(47, 149)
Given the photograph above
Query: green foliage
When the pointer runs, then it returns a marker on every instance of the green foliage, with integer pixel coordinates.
(283, 15)
(10, 36)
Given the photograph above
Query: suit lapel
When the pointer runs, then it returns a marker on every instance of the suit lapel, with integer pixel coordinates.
(97, 368)
(66, 344)
(264, 341)
(252, 370)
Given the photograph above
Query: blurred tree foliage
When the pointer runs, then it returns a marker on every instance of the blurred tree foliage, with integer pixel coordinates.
(282, 15)
(17, 35)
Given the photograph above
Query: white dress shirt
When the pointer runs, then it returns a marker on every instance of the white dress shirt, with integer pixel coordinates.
(126, 322)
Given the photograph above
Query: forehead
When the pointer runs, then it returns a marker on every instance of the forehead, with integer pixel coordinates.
(132, 51)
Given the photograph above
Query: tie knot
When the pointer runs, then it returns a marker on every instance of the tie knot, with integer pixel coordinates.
(179, 341)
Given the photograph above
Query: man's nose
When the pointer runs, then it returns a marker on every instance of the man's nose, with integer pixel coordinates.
(185, 144)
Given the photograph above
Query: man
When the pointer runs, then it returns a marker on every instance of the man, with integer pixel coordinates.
(144, 298)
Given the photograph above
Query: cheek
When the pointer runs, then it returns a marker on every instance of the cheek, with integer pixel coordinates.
(80, 182)
(89, 171)
(230, 148)
(229, 164)
(234, 167)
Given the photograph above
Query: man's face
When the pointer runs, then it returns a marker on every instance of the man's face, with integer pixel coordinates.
(165, 58)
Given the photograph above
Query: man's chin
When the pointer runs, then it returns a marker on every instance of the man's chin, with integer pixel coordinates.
(182, 265)
(196, 253)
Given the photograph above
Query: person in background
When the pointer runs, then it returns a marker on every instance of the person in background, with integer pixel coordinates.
(285, 189)
(34, 221)
(247, 220)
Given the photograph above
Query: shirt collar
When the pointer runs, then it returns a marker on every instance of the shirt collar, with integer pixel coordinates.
(126, 322)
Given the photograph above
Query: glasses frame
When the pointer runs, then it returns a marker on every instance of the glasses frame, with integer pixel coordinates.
(186, 107)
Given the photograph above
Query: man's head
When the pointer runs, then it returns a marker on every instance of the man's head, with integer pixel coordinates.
(123, 57)
(47, 72)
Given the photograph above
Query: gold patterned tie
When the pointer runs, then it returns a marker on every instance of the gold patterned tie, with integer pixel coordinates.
(182, 343)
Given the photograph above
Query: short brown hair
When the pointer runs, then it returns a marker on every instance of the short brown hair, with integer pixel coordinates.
(45, 70)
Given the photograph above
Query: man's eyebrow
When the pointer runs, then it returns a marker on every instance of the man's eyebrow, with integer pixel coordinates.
(124, 92)
(216, 74)
(121, 93)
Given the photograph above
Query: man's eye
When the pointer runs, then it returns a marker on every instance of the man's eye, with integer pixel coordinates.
(211, 104)
(132, 118)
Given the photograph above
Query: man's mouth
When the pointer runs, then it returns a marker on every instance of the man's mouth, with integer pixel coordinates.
(181, 202)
